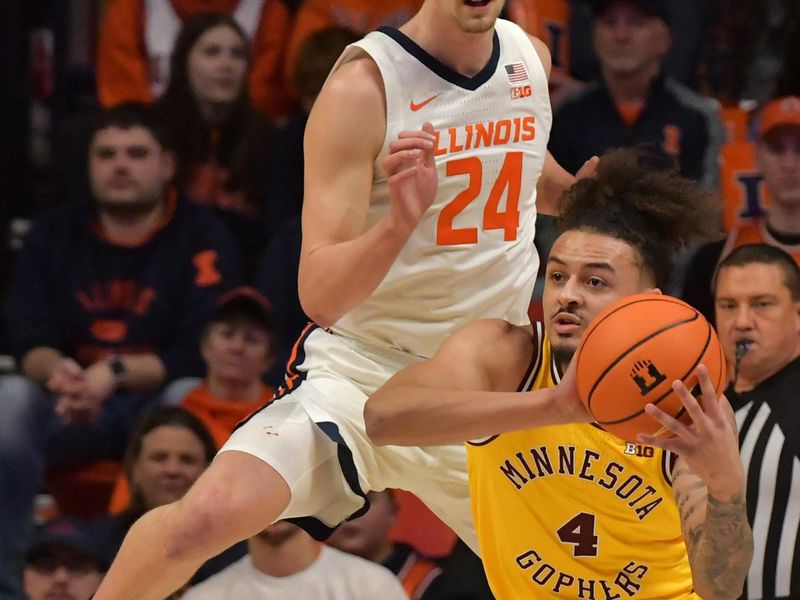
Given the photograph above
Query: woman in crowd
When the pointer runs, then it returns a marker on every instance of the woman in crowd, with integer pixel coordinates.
(222, 143)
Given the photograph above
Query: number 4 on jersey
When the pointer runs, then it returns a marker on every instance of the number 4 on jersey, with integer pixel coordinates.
(509, 179)
(579, 531)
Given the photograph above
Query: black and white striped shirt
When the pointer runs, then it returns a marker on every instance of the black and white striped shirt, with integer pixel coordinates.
(769, 438)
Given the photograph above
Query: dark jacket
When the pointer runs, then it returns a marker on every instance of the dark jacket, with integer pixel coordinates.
(75, 291)
(674, 118)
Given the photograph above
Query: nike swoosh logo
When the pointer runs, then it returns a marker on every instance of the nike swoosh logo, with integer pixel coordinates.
(415, 107)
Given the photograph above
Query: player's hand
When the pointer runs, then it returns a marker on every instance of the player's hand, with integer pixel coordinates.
(411, 170)
(569, 402)
(709, 445)
(589, 168)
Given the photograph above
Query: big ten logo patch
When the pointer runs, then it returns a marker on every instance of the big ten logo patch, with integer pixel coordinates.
(639, 450)
(522, 91)
(205, 263)
(646, 376)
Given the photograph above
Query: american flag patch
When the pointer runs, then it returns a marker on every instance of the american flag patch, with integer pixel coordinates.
(516, 72)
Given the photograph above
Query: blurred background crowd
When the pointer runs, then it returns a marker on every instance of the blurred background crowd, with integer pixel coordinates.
(157, 273)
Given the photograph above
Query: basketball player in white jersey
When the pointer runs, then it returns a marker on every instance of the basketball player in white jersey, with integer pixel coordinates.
(455, 99)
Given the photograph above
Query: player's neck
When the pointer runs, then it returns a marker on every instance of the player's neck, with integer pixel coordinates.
(465, 53)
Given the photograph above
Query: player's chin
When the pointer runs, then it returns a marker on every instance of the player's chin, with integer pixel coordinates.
(480, 16)
(563, 349)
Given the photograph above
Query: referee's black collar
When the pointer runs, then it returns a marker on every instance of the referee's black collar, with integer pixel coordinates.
(762, 390)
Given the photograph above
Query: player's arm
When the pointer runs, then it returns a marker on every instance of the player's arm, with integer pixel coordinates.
(555, 180)
(466, 391)
(342, 261)
(709, 488)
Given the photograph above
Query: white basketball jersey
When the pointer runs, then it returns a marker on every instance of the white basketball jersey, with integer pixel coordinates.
(162, 26)
(472, 254)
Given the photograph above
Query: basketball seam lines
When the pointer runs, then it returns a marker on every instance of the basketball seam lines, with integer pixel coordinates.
(595, 324)
(631, 349)
(659, 400)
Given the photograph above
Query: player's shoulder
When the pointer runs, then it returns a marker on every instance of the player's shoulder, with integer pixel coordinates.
(357, 74)
(493, 344)
(540, 47)
(542, 51)
(354, 88)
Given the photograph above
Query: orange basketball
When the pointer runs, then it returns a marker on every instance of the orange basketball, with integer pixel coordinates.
(632, 352)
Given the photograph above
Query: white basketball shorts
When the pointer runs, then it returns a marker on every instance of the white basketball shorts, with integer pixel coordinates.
(313, 434)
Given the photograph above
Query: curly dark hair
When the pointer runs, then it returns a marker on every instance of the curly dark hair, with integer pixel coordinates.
(638, 199)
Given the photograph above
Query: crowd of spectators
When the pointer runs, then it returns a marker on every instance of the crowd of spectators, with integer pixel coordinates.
(167, 277)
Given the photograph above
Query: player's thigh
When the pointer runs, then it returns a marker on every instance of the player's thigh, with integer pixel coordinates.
(307, 454)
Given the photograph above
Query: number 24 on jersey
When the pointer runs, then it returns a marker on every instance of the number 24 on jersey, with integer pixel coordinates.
(508, 180)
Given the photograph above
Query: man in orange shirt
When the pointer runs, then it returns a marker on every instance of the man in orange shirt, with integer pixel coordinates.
(238, 348)
(137, 36)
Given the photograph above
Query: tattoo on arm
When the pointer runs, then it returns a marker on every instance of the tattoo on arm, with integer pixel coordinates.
(721, 546)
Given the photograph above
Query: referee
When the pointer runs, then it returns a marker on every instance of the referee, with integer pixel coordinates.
(757, 303)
